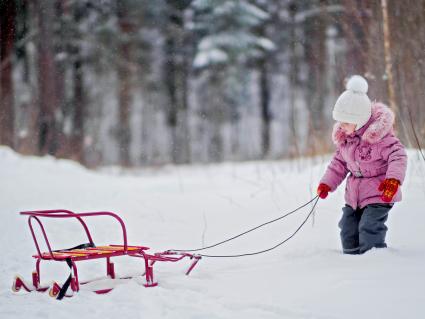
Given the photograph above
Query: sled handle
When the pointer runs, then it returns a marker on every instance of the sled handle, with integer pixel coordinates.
(55, 211)
(60, 213)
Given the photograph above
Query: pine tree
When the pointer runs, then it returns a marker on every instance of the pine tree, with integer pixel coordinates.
(228, 41)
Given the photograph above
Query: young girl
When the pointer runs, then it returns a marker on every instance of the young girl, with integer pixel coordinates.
(376, 162)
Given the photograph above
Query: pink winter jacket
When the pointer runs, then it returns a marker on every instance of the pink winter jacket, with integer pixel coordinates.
(370, 155)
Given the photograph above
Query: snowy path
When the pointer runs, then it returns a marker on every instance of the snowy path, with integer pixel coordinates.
(186, 207)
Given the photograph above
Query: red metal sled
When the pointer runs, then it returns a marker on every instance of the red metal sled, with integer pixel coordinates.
(88, 252)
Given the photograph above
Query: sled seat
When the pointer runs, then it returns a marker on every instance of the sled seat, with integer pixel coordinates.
(91, 253)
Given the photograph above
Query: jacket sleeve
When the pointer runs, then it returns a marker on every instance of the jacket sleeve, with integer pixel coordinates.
(336, 172)
(396, 157)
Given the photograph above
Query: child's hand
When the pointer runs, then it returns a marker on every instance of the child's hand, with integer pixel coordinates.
(388, 187)
(323, 190)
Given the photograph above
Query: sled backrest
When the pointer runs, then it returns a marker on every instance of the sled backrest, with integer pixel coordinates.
(63, 213)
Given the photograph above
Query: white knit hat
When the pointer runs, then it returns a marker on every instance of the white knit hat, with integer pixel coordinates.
(353, 105)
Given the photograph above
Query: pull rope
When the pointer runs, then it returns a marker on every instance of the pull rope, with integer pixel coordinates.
(271, 248)
(252, 229)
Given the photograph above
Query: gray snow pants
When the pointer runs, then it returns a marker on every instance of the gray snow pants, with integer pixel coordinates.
(363, 229)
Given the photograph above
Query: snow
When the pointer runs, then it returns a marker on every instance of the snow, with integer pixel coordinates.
(208, 57)
(185, 207)
(212, 49)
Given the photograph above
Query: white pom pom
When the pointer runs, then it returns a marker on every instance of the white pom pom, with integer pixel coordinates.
(357, 84)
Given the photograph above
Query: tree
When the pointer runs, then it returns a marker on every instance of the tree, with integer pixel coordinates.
(79, 96)
(26, 108)
(230, 38)
(263, 65)
(125, 73)
(7, 36)
(177, 64)
(294, 69)
(317, 87)
(47, 94)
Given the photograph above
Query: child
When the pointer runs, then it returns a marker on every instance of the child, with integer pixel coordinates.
(376, 162)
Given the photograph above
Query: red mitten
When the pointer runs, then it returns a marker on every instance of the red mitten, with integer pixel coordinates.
(323, 190)
(388, 187)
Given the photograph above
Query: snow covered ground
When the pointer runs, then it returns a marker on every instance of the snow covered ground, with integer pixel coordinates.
(185, 207)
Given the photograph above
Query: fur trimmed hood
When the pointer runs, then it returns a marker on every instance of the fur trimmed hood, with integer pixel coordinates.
(379, 125)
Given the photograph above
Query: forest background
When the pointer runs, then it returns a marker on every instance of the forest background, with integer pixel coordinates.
(152, 82)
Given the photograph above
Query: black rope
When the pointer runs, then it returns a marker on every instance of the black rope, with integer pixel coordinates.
(245, 232)
(252, 229)
(81, 246)
(271, 248)
(68, 260)
(67, 282)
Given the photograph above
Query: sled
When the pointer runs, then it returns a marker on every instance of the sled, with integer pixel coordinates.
(89, 251)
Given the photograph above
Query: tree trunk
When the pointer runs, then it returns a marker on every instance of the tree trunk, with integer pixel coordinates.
(77, 140)
(176, 77)
(7, 38)
(317, 79)
(28, 110)
(47, 98)
(79, 104)
(387, 52)
(124, 82)
(294, 150)
(407, 52)
(375, 66)
(216, 113)
(265, 108)
(400, 124)
(171, 85)
(355, 23)
(62, 14)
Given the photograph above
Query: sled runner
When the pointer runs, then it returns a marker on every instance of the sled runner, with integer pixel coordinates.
(89, 251)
